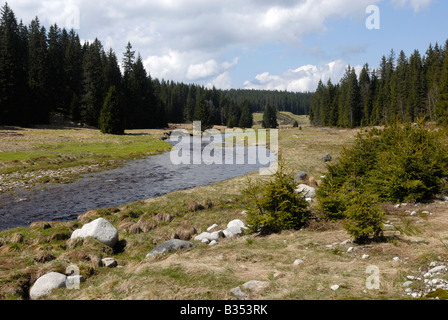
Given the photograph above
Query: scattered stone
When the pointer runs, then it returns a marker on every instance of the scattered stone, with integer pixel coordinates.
(169, 246)
(212, 226)
(99, 229)
(334, 287)
(365, 256)
(213, 243)
(236, 223)
(297, 262)
(397, 206)
(349, 250)
(109, 262)
(407, 284)
(307, 191)
(238, 293)
(300, 176)
(43, 286)
(255, 285)
(436, 270)
(326, 158)
(72, 281)
(396, 259)
(205, 240)
(413, 213)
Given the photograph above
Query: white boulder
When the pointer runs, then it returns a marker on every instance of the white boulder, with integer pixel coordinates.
(99, 229)
(306, 190)
(43, 286)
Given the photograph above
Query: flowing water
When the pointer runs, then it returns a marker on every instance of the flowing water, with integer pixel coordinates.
(136, 180)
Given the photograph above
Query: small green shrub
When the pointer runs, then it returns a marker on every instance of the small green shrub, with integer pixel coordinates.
(401, 163)
(364, 218)
(296, 124)
(274, 205)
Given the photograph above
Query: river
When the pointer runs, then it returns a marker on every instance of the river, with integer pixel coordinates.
(140, 179)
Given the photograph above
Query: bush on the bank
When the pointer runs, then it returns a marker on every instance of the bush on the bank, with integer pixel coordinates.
(275, 206)
(399, 163)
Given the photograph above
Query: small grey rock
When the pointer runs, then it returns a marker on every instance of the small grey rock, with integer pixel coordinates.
(298, 261)
(169, 246)
(326, 158)
(300, 176)
(109, 262)
(255, 285)
(238, 293)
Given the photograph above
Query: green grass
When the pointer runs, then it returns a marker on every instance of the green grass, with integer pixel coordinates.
(43, 150)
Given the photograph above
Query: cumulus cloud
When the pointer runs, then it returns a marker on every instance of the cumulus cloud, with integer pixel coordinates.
(302, 79)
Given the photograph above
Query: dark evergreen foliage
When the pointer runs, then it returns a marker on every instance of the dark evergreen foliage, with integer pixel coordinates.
(403, 88)
(52, 72)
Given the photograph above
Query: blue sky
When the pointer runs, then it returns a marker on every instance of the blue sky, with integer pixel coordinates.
(276, 44)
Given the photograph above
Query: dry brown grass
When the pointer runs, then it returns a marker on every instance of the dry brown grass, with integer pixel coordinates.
(209, 272)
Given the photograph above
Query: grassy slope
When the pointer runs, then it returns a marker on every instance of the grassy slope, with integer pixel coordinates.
(34, 156)
(210, 272)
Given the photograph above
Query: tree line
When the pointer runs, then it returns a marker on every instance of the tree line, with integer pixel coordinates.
(44, 72)
(404, 89)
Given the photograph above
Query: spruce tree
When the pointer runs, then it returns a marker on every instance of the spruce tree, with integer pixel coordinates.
(112, 116)
(13, 66)
(202, 113)
(441, 106)
(270, 117)
(93, 91)
(38, 72)
(246, 119)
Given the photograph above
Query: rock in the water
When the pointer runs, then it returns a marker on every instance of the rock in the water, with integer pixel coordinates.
(307, 191)
(169, 246)
(43, 286)
(99, 229)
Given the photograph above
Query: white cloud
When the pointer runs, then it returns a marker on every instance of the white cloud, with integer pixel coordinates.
(190, 40)
(304, 78)
(417, 5)
(223, 81)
